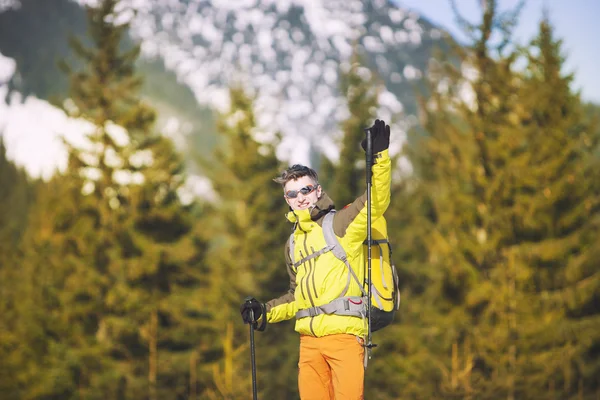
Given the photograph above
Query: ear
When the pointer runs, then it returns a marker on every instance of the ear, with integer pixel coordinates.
(319, 191)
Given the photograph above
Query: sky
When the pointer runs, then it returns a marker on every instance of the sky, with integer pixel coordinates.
(576, 22)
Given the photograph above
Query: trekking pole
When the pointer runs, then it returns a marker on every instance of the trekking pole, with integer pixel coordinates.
(252, 352)
(369, 152)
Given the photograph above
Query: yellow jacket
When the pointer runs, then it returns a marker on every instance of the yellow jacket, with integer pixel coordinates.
(324, 278)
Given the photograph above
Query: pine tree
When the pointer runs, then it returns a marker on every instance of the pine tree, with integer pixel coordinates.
(461, 345)
(158, 299)
(249, 230)
(558, 227)
(16, 196)
(125, 254)
(504, 230)
(38, 342)
(15, 202)
(103, 92)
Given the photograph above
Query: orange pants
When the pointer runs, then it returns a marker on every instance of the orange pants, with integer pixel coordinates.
(331, 368)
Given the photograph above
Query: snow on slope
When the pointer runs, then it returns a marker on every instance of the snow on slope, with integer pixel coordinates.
(290, 52)
(33, 132)
(32, 129)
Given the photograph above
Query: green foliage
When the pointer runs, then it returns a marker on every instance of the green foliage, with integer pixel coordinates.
(504, 228)
(16, 197)
(112, 288)
(14, 201)
(112, 258)
(559, 227)
(249, 230)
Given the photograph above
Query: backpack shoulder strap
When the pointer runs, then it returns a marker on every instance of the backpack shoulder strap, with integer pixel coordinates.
(291, 243)
(336, 247)
(330, 238)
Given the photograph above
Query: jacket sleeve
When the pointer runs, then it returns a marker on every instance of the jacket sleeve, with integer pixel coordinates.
(350, 224)
(284, 307)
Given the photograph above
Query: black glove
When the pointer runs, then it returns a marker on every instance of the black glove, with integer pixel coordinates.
(380, 137)
(251, 304)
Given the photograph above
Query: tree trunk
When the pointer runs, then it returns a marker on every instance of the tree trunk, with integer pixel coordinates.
(229, 358)
(152, 355)
(193, 378)
(468, 369)
(512, 326)
(454, 376)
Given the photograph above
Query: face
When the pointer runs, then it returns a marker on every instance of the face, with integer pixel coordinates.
(301, 201)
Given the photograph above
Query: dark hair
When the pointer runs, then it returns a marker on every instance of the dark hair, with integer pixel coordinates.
(296, 171)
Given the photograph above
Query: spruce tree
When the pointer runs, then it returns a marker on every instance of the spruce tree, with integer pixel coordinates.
(249, 230)
(125, 254)
(54, 356)
(16, 197)
(504, 226)
(40, 349)
(558, 227)
(103, 92)
(462, 343)
(157, 304)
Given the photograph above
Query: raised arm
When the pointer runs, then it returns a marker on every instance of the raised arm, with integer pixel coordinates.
(350, 224)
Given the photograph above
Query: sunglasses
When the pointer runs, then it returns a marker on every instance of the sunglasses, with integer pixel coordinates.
(292, 194)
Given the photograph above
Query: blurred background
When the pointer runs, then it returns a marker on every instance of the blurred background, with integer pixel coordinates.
(139, 139)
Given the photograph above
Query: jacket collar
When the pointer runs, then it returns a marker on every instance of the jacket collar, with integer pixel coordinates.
(321, 207)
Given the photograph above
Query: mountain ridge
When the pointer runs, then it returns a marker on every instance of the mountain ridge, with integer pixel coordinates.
(290, 52)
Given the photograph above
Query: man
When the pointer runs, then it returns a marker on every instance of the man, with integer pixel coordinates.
(332, 350)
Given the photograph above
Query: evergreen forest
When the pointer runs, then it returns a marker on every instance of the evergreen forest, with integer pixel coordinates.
(114, 287)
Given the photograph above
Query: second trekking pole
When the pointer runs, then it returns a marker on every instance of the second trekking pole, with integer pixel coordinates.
(252, 352)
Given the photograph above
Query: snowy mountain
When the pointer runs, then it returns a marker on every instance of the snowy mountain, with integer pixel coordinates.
(290, 52)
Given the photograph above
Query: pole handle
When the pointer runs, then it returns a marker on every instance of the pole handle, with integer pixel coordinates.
(369, 155)
(254, 323)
